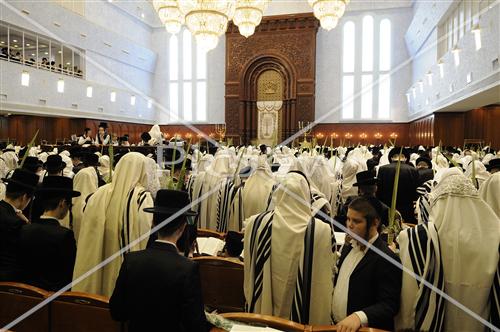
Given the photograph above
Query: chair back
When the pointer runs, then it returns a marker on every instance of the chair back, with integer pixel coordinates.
(16, 299)
(202, 232)
(75, 312)
(222, 283)
(266, 321)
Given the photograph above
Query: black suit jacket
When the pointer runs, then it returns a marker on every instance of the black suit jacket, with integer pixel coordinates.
(10, 228)
(158, 290)
(407, 188)
(374, 286)
(47, 252)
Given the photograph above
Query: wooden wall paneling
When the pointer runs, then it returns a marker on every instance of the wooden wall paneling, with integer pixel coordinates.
(4, 127)
(492, 126)
(356, 129)
(286, 44)
(449, 128)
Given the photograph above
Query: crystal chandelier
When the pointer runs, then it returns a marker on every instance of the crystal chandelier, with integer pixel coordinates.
(248, 15)
(328, 12)
(170, 15)
(208, 19)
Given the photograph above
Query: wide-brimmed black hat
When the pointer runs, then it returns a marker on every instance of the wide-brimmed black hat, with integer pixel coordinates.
(103, 125)
(91, 159)
(395, 150)
(57, 186)
(275, 167)
(365, 178)
(169, 202)
(425, 160)
(54, 163)
(145, 136)
(31, 164)
(23, 179)
(494, 163)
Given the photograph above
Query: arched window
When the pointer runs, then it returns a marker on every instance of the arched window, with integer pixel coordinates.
(365, 68)
(187, 79)
(348, 59)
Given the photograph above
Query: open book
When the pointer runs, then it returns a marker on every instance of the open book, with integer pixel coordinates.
(210, 245)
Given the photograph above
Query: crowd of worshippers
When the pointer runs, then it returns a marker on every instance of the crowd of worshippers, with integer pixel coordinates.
(17, 57)
(314, 228)
(102, 137)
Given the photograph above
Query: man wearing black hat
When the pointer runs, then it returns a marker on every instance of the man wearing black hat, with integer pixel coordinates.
(76, 155)
(367, 187)
(102, 137)
(493, 166)
(54, 165)
(424, 169)
(407, 186)
(47, 249)
(32, 164)
(19, 191)
(159, 286)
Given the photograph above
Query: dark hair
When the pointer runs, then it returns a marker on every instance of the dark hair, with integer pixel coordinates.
(370, 207)
(18, 192)
(171, 227)
(368, 189)
(86, 130)
(51, 203)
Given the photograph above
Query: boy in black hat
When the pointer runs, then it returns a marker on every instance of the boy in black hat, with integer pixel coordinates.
(32, 164)
(102, 137)
(54, 165)
(19, 191)
(86, 138)
(424, 169)
(159, 286)
(47, 249)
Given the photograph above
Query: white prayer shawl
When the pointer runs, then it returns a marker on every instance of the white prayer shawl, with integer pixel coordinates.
(421, 309)
(275, 256)
(86, 182)
(422, 206)
(10, 160)
(349, 170)
(156, 135)
(481, 173)
(490, 192)
(114, 218)
(104, 167)
(68, 170)
(215, 179)
(322, 176)
(469, 234)
(224, 202)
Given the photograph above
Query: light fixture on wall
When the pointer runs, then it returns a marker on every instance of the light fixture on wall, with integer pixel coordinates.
(60, 85)
(112, 96)
(150, 103)
(25, 78)
(132, 100)
(248, 15)
(456, 55)
(421, 86)
(414, 92)
(90, 90)
(441, 68)
(408, 98)
(477, 36)
(429, 78)
(208, 19)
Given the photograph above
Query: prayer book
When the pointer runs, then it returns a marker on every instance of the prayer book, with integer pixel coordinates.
(210, 245)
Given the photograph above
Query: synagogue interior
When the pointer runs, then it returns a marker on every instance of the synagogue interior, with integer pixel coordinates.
(249, 165)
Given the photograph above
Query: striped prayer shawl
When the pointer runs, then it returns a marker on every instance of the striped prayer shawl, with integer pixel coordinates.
(126, 228)
(302, 296)
(495, 298)
(425, 255)
(423, 204)
(224, 201)
(260, 251)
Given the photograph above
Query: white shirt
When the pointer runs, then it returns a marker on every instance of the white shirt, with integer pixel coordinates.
(341, 292)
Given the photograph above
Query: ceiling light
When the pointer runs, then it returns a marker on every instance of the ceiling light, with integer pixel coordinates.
(429, 78)
(456, 55)
(170, 15)
(477, 36)
(441, 68)
(14, 40)
(328, 12)
(132, 100)
(150, 103)
(112, 96)
(248, 15)
(89, 91)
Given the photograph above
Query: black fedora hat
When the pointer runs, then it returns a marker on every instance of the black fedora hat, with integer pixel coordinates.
(91, 159)
(169, 202)
(31, 163)
(494, 163)
(425, 160)
(54, 163)
(57, 186)
(275, 167)
(103, 125)
(365, 178)
(23, 178)
(395, 151)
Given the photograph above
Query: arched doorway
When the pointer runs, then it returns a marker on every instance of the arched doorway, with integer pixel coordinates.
(267, 78)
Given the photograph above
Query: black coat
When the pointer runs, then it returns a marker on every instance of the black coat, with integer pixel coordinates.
(425, 175)
(407, 188)
(47, 252)
(158, 290)
(10, 228)
(374, 286)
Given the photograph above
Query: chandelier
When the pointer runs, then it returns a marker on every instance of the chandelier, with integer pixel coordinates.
(208, 19)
